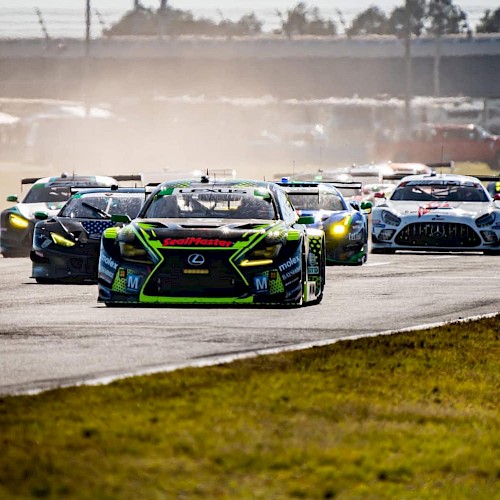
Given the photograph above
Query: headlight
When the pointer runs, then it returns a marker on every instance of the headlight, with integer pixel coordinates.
(261, 256)
(61, 240)
(485, 220)
(390, 218)
(129, 250)
(340, 228)
(18, 222)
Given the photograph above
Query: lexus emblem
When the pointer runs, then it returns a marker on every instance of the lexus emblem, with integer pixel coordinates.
(196, 259)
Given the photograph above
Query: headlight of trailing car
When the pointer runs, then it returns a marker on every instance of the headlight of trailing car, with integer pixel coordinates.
(61, 240)
(485, 220)
(390, 218)
(341, 227)
(18, 222)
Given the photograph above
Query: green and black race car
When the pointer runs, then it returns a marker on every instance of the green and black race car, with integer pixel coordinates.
(213, 242)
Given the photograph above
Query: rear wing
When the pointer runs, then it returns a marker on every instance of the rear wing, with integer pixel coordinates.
(118, 178)
(100, 189)
(123, 178)
(29, 180)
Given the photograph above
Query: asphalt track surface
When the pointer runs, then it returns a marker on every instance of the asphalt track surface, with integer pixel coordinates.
(58, 335)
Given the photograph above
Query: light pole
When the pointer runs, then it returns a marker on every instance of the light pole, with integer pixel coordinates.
(408, 72)
(87, 58)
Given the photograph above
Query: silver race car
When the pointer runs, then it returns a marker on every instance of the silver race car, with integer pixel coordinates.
(437, 212)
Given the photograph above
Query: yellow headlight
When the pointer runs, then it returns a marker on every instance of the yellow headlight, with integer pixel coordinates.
(129, 250)
(18, 222)
(341, 227)
(61, 240)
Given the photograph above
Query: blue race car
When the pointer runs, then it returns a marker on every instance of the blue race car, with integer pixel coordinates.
(345, 223)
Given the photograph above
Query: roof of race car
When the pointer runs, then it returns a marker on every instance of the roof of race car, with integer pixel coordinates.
(308, 187)
(439, 179)
(257, 188)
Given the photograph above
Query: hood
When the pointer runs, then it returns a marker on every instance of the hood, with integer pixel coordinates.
(223, 233)
(445, 209)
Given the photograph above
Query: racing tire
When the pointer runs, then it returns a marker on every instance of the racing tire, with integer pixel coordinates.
(386, 251)
(322, 264)
(45, 281)
(491, 252)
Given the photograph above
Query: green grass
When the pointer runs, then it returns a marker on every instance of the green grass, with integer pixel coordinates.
(407, 416)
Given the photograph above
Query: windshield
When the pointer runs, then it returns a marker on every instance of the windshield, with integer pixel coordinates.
(211, 205)
(44, 194)
(101, 207)
(440, 192)
(317, 201)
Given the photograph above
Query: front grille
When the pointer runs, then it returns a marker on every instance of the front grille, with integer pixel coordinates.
(438, 234)
(222, 279)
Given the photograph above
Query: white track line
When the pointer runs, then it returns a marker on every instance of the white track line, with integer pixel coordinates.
(223, 359)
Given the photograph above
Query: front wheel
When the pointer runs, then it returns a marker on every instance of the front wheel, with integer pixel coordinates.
(491, 252)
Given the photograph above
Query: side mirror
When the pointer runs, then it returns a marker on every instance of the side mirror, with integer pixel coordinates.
(13, 198)
(367, 206)
(379, 195)
(41, 215)
(306, 219)
(120, 218)
(496, 197)
(355, 204)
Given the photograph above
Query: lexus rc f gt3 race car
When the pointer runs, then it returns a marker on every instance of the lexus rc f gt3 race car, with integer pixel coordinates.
(445, 212)
(47, 194)
(66, 246)
(213, 242)
(345, 224)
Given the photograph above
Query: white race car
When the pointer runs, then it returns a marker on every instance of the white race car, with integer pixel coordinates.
(437, 212)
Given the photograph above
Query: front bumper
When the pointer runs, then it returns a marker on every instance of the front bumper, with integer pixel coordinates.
(66, 265)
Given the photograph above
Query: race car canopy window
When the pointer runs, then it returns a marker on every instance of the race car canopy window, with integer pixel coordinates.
(440, 192)
(212, 204)
(46, 194)
(102, 207)
(317, 201)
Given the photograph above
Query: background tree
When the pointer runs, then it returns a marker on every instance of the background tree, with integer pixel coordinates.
(490, 22)
(398, 21)
(303, 21)
(371, 21)
(444, 18)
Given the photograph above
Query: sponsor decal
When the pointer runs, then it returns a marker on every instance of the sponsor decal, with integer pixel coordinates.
(313, 269)
(290, 268)
(194, 241)
(292, 261)
(133, 282)
(107, 268)
(213, 190)
(433, 205)
(261, 284)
